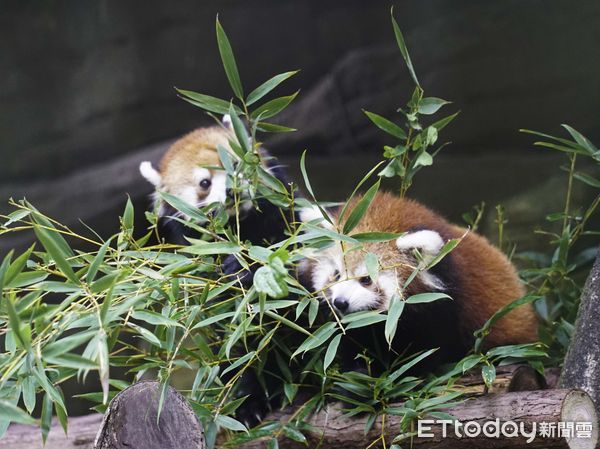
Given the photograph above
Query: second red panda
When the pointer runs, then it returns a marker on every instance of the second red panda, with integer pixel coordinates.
(478, 276)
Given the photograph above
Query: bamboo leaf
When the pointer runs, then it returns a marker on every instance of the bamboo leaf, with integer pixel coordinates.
(422, 298)
(52, 243)
(206, 102)
(404, 368)
(273, 107)
(442, 123)
(229, 61)
(16, 267)
(240, 131)
(446, 249)
(155, 318)
(315, 340)
(372, 264)
(587, 179)
(28, 387)
(488, 373)
(393, 316)
(11, 412)
(331, 351)
(403, 49)
(583, 141)
(239, 362)
(361, 208)
(268, 86)
(375, 237)
(46, 419)
(72, 361)
(212, 248)
(230, 423)
(287, 322)
(386, 125)
(98, 259)
(482, 333)
(18, 328)
(128, 216)
(358, 186)
(309, 187)
(47, 386)
(430, 105)
(191, 211)
(103, 364)
(273, 128)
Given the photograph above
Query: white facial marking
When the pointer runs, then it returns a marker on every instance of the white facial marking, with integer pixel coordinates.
(388, 283)
(189, 194)
(200, 173)
(218, 189)
(429, 242)
(357, 296)
(150, 173)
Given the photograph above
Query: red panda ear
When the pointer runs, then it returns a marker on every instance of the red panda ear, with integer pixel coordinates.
(428, 242)
(313, 213)
(150, 173)
(226, 121)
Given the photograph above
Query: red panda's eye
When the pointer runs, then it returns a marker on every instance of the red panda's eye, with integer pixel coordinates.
(205, 183)
(365, 281)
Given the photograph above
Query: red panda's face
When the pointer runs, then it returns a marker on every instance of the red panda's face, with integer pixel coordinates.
(191, 169)
(342, 278)
(344, 282)
(201, 186)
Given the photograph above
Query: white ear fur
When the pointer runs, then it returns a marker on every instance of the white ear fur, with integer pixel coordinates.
(226, 120)
(314, 213)
(432, 281)
(428, 242)
(150, 173)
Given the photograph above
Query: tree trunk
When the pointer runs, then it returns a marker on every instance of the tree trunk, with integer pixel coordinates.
(582, 362)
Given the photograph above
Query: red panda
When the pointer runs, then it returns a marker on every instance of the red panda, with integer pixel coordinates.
(478, 277)
(192, 170)
(187, 170)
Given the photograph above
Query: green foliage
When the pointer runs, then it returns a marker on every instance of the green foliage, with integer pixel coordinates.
(414, 141)
(74, 304)
(557, 277)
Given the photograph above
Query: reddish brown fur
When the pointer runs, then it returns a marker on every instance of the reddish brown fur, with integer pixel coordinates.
(197, 148)
(488, 280)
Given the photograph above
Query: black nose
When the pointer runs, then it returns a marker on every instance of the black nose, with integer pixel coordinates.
(341, 304)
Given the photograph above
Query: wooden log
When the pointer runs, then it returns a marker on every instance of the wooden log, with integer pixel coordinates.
(132, 420)
(582, 362)
(129, 422)
(82, 433)
(333, 430)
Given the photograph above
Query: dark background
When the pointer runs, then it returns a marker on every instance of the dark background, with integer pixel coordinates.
(86, 93)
